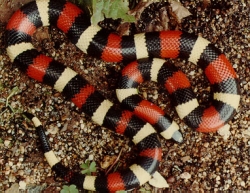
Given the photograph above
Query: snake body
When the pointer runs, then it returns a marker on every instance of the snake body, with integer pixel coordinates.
(108, 46)
(197, 117)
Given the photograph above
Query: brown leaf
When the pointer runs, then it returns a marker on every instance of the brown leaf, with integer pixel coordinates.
(124, 29)
(140, 7)
(108, 161)
(179, 10)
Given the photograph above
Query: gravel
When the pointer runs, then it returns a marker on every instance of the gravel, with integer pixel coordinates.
(203, 162)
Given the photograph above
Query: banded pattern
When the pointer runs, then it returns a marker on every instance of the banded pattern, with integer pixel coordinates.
(127, 93)
(102, 44)
(44, 69)
(136, 175)
(225, 98)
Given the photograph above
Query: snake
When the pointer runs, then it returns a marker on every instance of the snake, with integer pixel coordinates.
(147, 52)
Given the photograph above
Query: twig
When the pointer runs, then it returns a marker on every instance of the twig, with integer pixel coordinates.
(117, 159)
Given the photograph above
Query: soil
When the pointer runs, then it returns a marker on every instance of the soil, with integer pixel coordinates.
(204, 162)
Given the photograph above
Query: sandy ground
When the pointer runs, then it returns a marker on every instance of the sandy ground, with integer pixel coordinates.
(203, 162)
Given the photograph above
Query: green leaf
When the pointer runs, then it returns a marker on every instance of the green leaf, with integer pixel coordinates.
(69, 189)
(88, 167)
(97, 6)
(65, 189)
(92, 167)
(85, 165)
(73, 189)
(115, 9)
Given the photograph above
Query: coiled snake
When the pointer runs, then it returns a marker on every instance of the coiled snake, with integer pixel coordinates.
(108, 46)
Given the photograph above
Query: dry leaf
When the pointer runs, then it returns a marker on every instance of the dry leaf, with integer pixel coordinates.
(108, 161)
(140, 7)
(124, 29)
(179, 10)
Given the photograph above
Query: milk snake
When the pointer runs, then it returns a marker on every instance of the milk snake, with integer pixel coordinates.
(108, 46)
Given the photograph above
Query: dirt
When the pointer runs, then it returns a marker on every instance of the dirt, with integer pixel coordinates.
(203, 162)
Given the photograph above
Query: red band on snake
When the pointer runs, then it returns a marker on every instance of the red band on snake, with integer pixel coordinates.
(108, 46)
